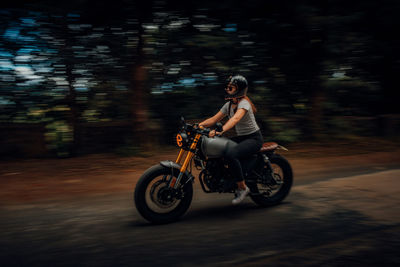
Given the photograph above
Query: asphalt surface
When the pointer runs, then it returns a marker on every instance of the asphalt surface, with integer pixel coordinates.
(329, 221)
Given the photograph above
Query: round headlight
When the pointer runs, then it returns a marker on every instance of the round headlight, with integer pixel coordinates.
(181, 139)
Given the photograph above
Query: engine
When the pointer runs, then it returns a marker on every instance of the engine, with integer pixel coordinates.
(215, 177)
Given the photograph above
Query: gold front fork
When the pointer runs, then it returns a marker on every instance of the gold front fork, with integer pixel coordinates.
(180, 155)
(189, 156)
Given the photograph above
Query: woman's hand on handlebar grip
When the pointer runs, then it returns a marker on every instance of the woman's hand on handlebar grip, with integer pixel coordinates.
(219, 133)
(212, 133)
(215, 133)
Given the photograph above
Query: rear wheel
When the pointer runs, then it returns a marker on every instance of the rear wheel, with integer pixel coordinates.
(156, 201)
(271, 188)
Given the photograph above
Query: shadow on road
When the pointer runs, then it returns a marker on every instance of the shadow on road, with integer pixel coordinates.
(210, 213)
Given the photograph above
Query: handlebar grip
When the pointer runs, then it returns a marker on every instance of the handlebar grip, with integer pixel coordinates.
(219, 127)
(200, 129)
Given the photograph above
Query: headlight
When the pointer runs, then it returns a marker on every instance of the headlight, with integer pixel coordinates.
(182, 140)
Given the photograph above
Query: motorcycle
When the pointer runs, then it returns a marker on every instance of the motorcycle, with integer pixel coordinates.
(164, 192)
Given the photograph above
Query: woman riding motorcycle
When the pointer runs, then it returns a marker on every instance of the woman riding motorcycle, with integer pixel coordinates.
(240, 111)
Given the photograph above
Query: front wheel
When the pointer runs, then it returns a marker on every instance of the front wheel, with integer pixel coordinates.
(156, 201)
(271, 188)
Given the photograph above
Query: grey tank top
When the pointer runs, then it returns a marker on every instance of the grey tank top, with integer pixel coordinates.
(247, 125)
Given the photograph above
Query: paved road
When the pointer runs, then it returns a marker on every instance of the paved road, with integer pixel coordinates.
(342, 221)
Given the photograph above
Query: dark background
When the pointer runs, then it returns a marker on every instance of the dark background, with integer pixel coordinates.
(85, 76)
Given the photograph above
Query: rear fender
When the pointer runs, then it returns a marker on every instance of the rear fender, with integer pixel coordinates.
(282, 148)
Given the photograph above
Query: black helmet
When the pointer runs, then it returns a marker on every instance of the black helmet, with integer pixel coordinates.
(241, 83)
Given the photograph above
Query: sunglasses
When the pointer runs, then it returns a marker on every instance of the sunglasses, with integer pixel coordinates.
(230, 88)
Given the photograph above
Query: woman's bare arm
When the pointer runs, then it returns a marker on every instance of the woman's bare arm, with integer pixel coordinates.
(213, 120)
(234, 120)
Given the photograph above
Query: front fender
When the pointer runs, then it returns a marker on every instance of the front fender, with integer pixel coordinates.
(173, 165)
(170, 164)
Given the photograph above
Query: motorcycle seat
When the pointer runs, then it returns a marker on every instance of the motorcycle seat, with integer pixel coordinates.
(269, 146)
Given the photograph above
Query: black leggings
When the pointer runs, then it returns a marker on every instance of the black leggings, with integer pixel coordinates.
(247, 146)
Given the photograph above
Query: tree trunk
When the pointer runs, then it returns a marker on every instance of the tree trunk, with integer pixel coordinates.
(73, 118)
(140, 111)
(140, 107)
(316, 112)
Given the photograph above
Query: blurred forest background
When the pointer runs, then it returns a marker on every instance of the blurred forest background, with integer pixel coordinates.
(87, 76)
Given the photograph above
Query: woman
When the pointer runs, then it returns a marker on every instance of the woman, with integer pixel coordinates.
(240, 111)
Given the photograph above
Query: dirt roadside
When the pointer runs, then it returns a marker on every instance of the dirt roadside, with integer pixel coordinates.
(25, 181)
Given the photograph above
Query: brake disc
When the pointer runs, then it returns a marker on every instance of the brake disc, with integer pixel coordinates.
(162, 195)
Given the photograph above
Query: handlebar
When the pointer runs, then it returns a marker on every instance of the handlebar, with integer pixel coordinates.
(197, 129)
(200, 129)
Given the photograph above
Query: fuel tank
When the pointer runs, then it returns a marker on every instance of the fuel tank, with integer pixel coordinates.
(216, 147)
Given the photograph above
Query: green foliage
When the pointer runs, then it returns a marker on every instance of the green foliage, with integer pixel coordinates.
(128, 150)
(348, 126)
(59, 137)
(352, 96)
(283, 131)
(323, 59)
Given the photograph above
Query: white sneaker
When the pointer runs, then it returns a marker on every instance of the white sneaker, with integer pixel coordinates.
(240, 195)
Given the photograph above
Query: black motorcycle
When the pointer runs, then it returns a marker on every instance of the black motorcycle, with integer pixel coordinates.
(165, 191)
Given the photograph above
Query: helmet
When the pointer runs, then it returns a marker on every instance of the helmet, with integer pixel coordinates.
(241, 83)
